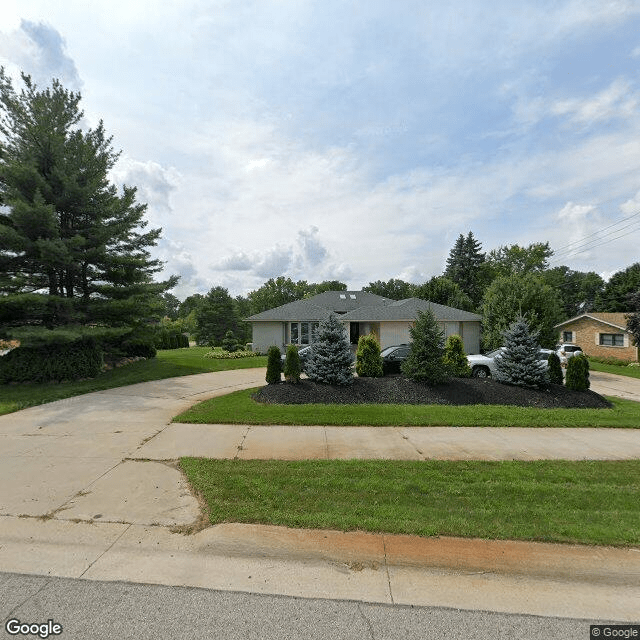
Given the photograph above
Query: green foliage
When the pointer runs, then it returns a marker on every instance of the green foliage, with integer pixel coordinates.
(577, 373)
(169, 336)
(519, 364)
(443, 290)
(230, 342)
(577, 290)
(55, 360)
(425, 363)
(274, 365)
(64, 228)
(466, 267)
(276, 292)
(517, 260)
(618, 293)
(455, 357)
(368, 358)
(214, 316)
(633, 319)
(221, 354)
(292, 366)
(508, 297)
(393, 289)
(555, 369)
(330, 360)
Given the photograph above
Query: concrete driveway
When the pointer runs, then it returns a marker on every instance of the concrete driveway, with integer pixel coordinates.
(89, 488)
(608, 384)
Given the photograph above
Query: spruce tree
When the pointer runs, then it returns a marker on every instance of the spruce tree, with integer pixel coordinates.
(425, 363)
(518, 364)
(330, 360)
(66, 234)
(465, 266)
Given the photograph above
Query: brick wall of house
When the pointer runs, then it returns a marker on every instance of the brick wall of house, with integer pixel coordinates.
(586, 334)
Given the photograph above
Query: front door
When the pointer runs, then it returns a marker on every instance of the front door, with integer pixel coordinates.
(354, 332)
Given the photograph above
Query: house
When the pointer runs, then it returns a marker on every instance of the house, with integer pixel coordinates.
(603, 335)
(362, 313)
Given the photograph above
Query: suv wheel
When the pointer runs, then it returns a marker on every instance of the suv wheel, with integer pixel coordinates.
(480, 372)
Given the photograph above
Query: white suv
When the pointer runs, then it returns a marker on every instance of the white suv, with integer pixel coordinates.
(484, 366)
(566, 350)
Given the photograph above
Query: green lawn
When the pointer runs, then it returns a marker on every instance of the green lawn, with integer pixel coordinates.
(619, 370)
(168, 364)
(239, 408)
(591, 502)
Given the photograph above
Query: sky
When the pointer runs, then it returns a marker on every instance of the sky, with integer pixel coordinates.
(355, 140)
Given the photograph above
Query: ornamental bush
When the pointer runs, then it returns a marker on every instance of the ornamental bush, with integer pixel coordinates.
(425, 363)
(330, 360)
(274, 365)
(59, 359)
(555, 369)
(230, 342)
(368, 358)
(577, 373)
(292, 366)
(519, 364)
(456, 358)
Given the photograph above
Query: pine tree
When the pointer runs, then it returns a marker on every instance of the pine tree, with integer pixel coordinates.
(330, 360)
(64, 228)
(425, 363)
(465, 266)
(519, 364)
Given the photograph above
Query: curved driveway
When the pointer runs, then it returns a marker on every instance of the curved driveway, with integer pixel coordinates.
(89, 488)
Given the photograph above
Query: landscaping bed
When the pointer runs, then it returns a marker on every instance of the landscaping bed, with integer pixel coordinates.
(459, 391)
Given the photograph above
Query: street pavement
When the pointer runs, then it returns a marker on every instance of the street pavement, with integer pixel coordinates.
(89, 488)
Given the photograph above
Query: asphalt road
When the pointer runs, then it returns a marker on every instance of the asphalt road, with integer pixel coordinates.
(103, 610)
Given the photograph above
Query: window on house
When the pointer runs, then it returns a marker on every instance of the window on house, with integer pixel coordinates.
(314, 330)
(612, 339)
(567, 336)
(304, 333)
(295, 333)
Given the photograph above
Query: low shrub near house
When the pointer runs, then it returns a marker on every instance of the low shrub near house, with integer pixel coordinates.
(577, 373)
(220, 354)
(330, 360)
(56, 360)
(230, 342)
(274, 365)
(292, 368)
(456, 358)
(368, 358)
(555, 369)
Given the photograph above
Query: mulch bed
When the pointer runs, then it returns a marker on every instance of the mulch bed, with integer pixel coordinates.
(459, 391)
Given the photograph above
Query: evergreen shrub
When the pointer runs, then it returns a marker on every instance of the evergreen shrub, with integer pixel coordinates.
(330, 360)
(230, 342)
(577, 373)
(368, 358)
(519, 364)
(292, 366)
(56, 360)
(425, 363)
(555, 369)
(274, 365)
(456, 358)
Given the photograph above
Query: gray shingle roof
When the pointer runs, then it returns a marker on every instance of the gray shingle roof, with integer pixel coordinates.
(343, 301)
(300, 310)
(408, 310)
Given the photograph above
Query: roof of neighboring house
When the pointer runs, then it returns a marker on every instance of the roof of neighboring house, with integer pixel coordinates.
(408, 310)
(300, 310)
(617, 320)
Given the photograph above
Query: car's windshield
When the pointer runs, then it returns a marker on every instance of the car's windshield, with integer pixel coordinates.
(387, 351)
(494, 353)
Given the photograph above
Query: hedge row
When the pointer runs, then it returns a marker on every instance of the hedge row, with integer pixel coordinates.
(64, 360)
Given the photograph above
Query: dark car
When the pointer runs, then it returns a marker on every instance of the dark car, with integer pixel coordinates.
(305, 353)
(393, 357)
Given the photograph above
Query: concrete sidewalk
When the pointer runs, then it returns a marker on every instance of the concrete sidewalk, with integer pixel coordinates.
(89, 488)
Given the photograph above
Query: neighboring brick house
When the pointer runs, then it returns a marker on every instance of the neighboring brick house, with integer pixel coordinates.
(602, 335)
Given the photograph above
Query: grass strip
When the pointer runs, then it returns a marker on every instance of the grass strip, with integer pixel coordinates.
(240, 408)
(167, 364)
(619, 370)
(588, 502)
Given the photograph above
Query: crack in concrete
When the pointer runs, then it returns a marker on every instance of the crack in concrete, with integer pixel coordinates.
(18, 606)
(386, 566)
(241, 445)
(105, 551)
(408, 439)
(366, 620)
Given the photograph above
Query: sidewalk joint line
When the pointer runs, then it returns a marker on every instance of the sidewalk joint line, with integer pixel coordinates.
(386, 566)
(105, 551)
(47, 581)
